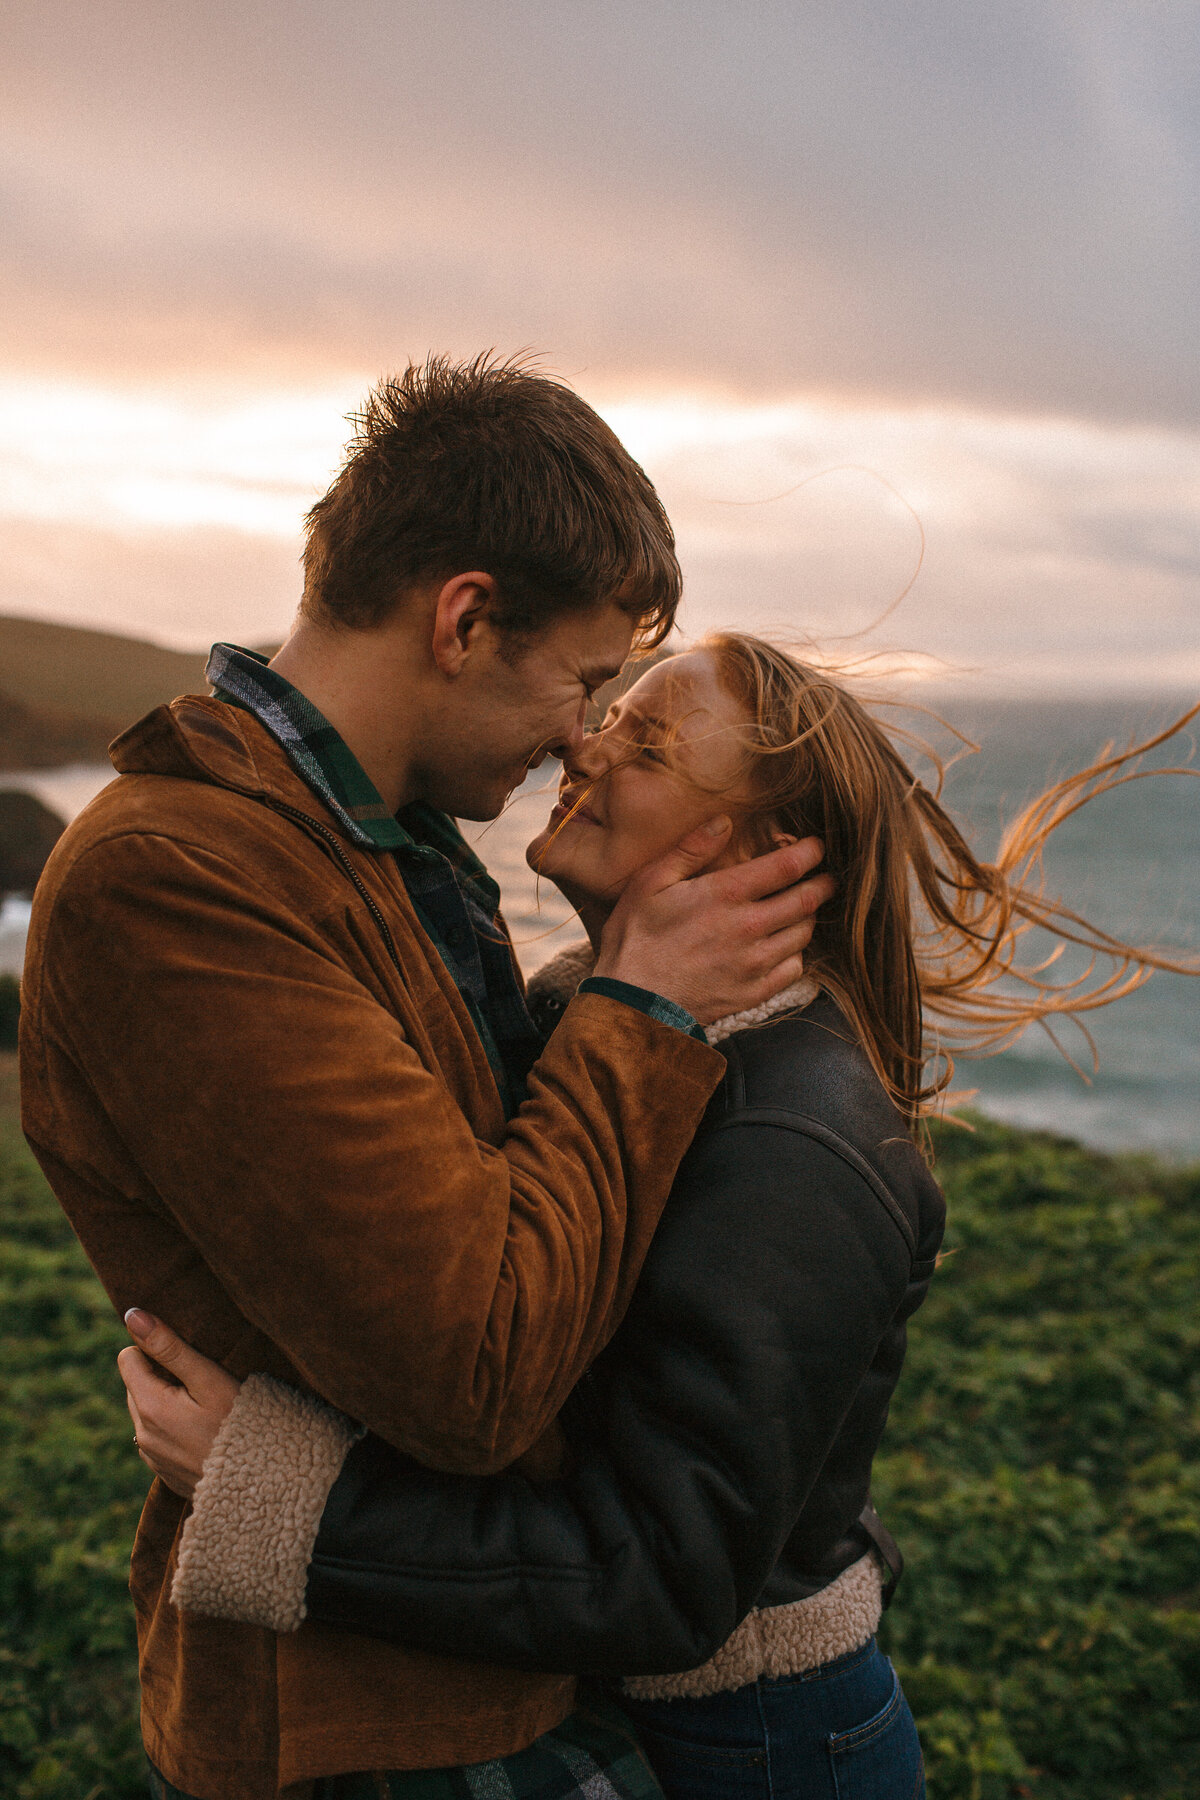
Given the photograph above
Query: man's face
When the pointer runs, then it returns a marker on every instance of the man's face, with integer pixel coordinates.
(514, 704)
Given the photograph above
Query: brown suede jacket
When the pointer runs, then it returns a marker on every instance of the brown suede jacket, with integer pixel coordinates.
(283, 1136)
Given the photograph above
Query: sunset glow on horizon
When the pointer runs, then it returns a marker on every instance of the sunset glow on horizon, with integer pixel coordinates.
(875, 282)
(800, 514)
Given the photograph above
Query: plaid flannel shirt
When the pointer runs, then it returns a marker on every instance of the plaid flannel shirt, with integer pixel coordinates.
(452, 893)
(593, 1755)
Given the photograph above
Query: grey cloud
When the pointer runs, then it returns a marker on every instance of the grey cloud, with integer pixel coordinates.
(995, 206)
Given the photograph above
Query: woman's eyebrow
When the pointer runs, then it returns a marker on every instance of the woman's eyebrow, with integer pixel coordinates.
(623, 711)
(650, 719)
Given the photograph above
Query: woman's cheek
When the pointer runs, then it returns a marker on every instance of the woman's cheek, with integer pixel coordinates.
(659, 835)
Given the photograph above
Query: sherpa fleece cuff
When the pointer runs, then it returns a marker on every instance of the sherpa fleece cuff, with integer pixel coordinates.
(245, 1550)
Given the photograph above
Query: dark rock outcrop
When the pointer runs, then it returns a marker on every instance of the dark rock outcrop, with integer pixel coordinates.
(10, 1011)
(28, 833)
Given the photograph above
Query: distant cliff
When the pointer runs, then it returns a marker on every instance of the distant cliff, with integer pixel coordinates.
(66, 692)
(32, 738)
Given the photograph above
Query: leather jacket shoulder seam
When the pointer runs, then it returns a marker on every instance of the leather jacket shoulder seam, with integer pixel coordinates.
(804, 1126)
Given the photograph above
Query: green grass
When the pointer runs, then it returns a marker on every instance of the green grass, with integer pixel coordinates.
(71, 1488)
(1042, 1471)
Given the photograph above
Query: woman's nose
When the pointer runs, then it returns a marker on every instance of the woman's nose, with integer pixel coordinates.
(588, 758)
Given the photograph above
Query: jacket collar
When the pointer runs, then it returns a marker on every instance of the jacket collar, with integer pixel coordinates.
(317, 751)
(200, 739)
(326, 764)
(559, 978)
(203, 738)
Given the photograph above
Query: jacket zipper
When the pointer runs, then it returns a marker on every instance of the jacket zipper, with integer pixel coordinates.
(330, 843)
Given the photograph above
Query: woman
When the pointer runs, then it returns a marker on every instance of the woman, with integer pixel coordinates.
(707, 1534)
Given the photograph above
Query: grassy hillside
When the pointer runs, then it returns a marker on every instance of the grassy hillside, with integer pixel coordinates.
(1042, 1472)
(91, 674)
(1041, 1469)
(65, 692)
(70, 1492)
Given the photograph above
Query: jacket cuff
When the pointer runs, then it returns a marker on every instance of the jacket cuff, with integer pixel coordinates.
(245, 1549)
(653, 1005)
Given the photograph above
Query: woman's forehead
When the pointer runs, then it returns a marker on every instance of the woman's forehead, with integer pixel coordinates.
(687, 683)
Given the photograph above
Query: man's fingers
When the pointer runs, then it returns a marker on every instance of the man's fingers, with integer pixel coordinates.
(781, 868)
(689, 856)
(783, 975)
(786, 944)
(795, 905)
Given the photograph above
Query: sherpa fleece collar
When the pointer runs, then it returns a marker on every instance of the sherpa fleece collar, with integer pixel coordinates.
(559, 978)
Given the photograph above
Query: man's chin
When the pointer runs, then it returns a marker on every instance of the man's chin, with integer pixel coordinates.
(483, 804)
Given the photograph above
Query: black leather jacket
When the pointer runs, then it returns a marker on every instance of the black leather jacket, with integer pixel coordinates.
(720, 1448)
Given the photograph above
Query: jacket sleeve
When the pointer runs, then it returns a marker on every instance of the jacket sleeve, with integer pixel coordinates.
(694, 1441)
(311, 1166)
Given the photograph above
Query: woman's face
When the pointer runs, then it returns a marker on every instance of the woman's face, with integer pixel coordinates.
(624, 800)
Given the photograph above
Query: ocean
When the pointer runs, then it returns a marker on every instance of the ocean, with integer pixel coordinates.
(1130, 861)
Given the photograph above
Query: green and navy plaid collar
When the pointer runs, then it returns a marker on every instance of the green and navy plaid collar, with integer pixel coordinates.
(452, 893)
(326, 764)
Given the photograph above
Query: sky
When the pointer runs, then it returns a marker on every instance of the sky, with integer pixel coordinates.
(853, 281)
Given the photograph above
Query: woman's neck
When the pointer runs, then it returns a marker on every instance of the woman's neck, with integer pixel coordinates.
(594, 916)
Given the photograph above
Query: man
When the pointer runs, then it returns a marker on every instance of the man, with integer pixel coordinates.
(274, 1042)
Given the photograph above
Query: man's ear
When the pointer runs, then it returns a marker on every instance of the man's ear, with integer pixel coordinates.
(460, 616)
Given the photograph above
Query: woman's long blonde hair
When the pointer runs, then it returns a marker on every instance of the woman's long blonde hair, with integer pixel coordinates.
(920, 947)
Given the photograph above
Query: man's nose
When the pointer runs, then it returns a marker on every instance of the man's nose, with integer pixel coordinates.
(568, 749)
(586, 757)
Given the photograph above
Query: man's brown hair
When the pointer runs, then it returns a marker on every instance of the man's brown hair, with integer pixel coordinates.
(488, 465)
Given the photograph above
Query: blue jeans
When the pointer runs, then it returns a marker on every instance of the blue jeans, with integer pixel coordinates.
(839, 1732)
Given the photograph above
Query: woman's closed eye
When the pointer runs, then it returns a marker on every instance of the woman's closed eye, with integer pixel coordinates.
(634, 745)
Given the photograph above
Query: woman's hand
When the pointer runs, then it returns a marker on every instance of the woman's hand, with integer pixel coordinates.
(177, 1399)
